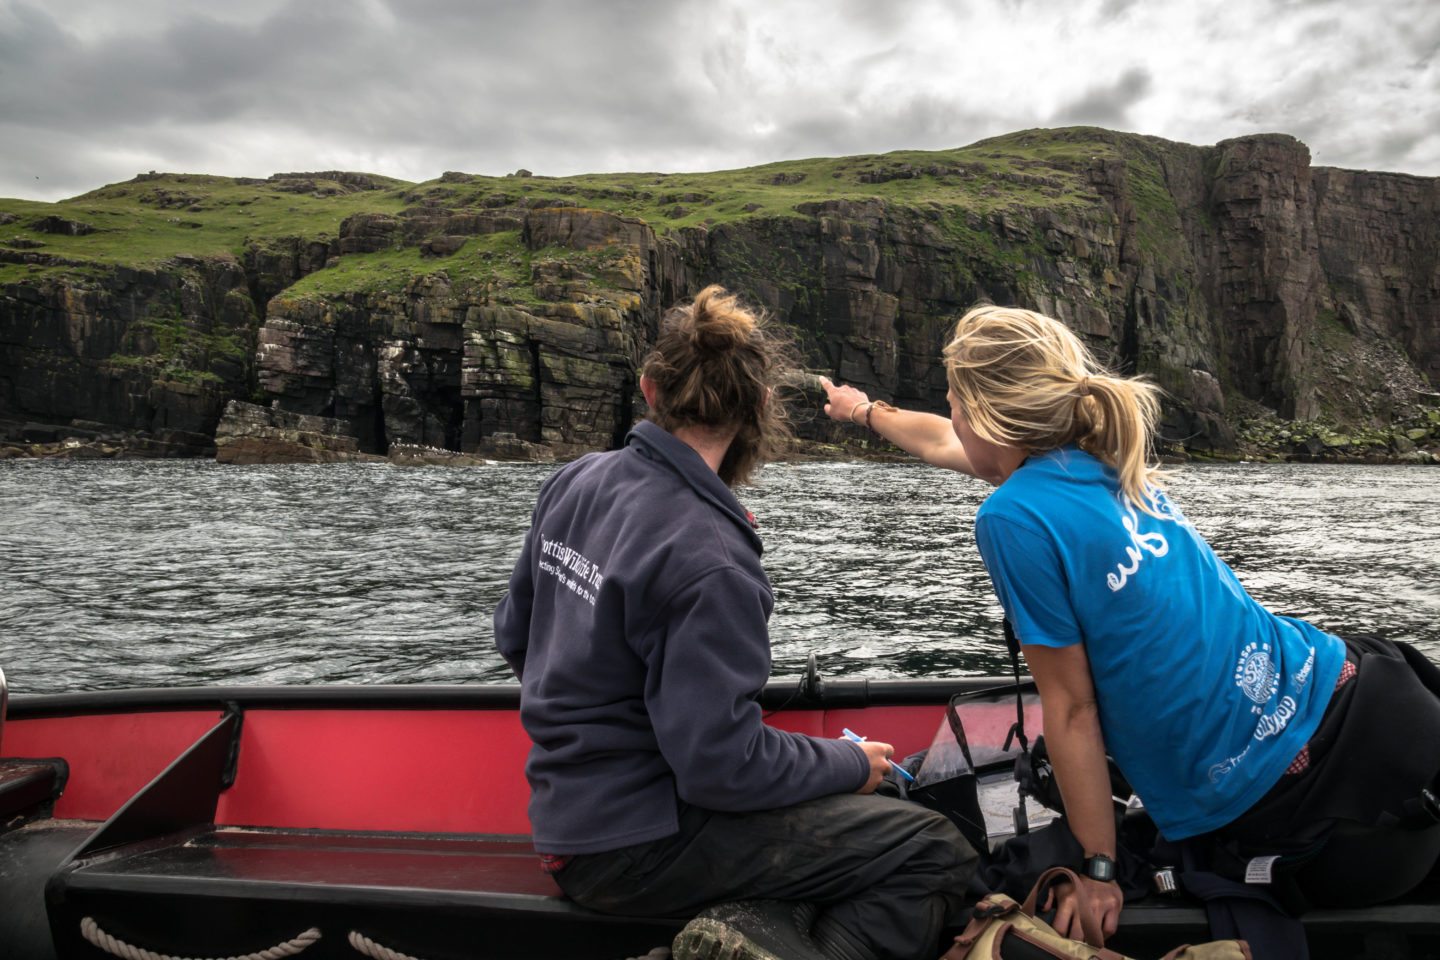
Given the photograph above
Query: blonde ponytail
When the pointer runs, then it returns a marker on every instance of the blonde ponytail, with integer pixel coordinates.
(1122, 433)
(1025, 380)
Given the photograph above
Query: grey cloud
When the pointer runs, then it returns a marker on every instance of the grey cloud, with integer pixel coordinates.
(1399, 143)
(1377, 128)
(1112, 10)
(922, 122)
(1393, 149)
(66, 163)
(890, 53)
(1424, 44)
(1321, 29)
(1106, 104)
(191, 70)
(570, 86)
(489, 83)
(28, 36)
(878, 20)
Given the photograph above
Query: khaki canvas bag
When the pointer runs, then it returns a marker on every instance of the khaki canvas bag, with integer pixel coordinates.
(1002, 929)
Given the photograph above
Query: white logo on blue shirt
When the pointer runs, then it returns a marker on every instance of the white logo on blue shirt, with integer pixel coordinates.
(1256, 675)
(1272, 723)
(1153, 543)
(1224, 767)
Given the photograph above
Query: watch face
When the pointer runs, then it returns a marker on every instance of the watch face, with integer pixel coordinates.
(1100, 868)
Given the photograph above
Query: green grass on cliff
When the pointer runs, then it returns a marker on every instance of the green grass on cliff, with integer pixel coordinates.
(1031, 168)
(496, 266)
(155, 217)
(387, 271)
(170, 348)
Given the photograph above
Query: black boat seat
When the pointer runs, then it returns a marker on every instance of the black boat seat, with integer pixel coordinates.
(487, 872)
(228, 891)
(28, 788)
(420, 893)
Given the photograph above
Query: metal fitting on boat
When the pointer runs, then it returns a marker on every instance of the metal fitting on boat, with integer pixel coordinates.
(1165, 883)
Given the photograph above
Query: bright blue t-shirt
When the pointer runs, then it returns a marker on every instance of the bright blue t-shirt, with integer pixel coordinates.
(1205, 697)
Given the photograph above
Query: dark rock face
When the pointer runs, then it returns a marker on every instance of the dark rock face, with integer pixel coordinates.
(74, 228)
(350, 181)
(1379, 240)
(437, 366)
(153, 354)
(442, 246)
(250, 434)
(1266, 274)
(368, 233)
(276, 264)
(1237, 276)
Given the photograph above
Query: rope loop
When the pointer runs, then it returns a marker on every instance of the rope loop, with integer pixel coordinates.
(97, 937)
(374, 950)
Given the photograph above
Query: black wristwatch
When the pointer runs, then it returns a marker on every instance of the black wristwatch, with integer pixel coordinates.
(1098, 867)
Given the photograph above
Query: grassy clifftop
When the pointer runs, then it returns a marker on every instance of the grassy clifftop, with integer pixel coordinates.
(155, 217)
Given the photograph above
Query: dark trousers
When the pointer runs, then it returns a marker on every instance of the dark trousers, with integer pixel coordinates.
(888, 874)
(1344, 820)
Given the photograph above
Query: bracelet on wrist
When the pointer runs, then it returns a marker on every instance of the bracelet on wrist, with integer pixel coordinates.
(867, 404)
(870, 412)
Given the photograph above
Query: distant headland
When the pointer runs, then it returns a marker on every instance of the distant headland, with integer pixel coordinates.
(1288, 311)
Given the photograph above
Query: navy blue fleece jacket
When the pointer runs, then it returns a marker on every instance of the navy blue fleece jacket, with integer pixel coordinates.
(636, 622)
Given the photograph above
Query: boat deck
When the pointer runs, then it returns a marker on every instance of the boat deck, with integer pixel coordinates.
(423, 895)
(474, 873)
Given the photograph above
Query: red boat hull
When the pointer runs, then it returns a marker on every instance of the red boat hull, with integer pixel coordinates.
(298, 755)
(223, 821)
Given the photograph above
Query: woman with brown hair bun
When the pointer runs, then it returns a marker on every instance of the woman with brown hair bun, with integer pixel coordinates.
(636, 624)
(1267, 738)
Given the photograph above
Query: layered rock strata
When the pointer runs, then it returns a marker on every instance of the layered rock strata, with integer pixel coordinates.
(251, 434)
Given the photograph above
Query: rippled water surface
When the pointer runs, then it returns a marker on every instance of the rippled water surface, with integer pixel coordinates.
(166, 573)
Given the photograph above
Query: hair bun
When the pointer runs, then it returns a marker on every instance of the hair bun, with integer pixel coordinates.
(718, 322)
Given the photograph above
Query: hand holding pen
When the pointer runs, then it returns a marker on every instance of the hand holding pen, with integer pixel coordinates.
(877, 769)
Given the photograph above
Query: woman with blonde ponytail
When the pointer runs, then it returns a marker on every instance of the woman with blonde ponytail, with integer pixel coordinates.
(1224, 717)
(636, 622)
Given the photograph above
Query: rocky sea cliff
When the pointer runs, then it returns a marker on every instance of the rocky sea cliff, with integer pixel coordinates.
(1289, 311)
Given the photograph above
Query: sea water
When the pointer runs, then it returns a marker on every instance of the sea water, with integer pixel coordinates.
(163, 573)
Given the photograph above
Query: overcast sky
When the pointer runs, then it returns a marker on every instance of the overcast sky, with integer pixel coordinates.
(95, 91)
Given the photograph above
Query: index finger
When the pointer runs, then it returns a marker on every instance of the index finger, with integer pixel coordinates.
(1065, 918)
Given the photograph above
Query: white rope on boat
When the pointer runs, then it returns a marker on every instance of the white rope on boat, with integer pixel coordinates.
(91, 931)
(374, 950)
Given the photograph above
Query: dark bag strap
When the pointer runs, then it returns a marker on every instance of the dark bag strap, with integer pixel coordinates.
(957, 728)
(1017, 729)
(1024, 766)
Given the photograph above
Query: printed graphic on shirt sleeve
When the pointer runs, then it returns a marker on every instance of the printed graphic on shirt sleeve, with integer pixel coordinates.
(575, 572)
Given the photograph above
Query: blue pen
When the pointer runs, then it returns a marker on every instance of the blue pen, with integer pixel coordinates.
(852, 735)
